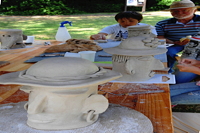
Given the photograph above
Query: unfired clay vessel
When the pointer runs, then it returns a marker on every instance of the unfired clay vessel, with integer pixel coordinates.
(11, 38)
(192, 49)
(134, 57)
(62, 92)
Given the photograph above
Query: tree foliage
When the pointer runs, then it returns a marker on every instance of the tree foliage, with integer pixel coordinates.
(165, 2)
(169, 2)
(66, 7)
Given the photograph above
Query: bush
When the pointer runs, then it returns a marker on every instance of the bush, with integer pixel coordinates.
(66, 7)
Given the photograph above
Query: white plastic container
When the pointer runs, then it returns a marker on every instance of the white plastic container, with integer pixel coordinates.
(62, 33)
(30, 39)
(89, 55)
(68, 54)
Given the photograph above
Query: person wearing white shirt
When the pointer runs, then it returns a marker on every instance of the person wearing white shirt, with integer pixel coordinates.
(119, 31)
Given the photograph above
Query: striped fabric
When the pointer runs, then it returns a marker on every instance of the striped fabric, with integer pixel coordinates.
(174, 31)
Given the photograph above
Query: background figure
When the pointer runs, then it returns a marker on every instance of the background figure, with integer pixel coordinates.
(183, 23)
(186, 93)
(119, 31)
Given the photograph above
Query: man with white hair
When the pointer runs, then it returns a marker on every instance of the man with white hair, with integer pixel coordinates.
(184, 23)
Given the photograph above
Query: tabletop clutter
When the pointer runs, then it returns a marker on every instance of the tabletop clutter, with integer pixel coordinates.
(57, 83)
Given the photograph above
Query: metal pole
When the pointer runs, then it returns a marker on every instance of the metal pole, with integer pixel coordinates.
(125, 5)
(144, 6)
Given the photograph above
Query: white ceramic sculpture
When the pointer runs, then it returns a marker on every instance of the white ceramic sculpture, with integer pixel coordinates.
(11, 38)
(192, 49)
(134, 57)
(62, 92)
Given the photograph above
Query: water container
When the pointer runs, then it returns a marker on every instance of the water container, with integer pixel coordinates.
(62, 33)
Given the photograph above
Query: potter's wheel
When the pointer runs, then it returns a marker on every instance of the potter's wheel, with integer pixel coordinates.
(116, 119)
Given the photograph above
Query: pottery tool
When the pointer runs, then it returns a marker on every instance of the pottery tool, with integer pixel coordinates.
(105, 55)
(4, 63)
(134, 93)
(50, 55)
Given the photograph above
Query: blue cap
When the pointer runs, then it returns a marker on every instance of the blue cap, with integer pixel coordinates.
(65, 22)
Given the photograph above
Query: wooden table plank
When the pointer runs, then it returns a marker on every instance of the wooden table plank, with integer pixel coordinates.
(155, 106)
(17, 57)
(8, 93)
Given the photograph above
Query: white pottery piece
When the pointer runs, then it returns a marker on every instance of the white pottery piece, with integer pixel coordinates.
(11, 38)
(133, 58)
(62, 92)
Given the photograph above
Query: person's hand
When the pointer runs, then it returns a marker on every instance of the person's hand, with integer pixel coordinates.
(188, 68)
(189, 65)
(184, 67)
(184, 42)
(98, 37)
(190, 62)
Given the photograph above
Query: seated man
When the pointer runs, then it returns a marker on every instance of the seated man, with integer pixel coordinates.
(183, 23)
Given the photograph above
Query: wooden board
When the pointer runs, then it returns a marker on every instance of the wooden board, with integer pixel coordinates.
(11, 93)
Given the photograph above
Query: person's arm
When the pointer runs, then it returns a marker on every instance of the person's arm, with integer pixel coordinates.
(99, 36)
(167, 40)
(189, 65)
(103, 33)
(184, 42)
(189, 68)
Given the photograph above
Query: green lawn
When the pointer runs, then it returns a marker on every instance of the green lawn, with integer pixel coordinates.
(45, 27)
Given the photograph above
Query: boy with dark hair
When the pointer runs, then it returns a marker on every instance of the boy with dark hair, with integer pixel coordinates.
(119, 31)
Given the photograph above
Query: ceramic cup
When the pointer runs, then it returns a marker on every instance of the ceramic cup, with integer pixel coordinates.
(68, 54)
(163, 41)
(89, 55)
(30, 39)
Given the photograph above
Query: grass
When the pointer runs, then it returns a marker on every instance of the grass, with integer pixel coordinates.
(45, 27)
(187, 108)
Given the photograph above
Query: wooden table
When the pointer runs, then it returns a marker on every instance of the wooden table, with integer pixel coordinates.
(156, 106)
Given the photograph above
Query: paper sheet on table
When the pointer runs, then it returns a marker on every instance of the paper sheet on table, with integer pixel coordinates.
(156, 79)
(165, 45)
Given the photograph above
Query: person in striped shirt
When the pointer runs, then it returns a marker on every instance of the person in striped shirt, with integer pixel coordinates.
(184, 23)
